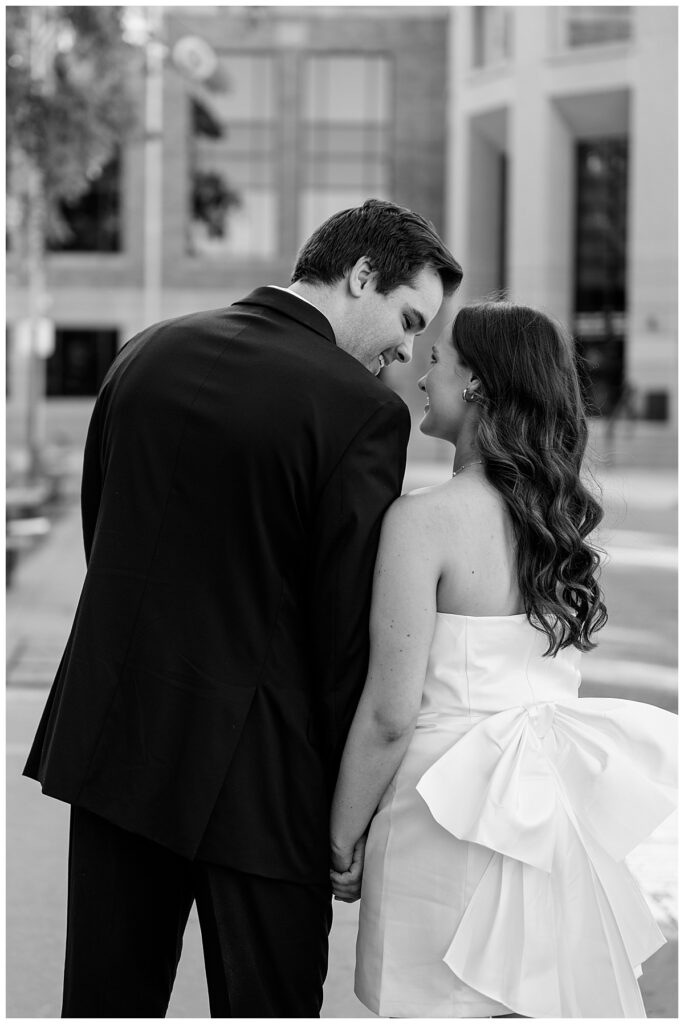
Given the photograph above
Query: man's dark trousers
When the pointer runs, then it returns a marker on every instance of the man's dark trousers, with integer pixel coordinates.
(265, 940)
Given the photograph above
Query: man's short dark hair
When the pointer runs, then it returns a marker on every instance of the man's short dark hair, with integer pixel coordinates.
(398, 243)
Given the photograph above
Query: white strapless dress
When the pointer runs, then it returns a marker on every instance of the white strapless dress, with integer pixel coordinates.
(494, 879)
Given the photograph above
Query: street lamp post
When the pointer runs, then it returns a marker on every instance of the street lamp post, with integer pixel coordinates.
(154, 98)
(41, 40)
(196, 61)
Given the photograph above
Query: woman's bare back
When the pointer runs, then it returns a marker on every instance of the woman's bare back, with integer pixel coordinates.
(473, 542)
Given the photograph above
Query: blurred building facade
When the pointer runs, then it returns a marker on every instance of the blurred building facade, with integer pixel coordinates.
(540, 141)
(563, 186)
(309, 110)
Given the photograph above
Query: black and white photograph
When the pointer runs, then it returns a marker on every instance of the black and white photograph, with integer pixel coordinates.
(341, 408)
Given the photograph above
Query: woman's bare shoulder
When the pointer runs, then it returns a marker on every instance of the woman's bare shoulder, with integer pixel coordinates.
(450, 497)
(458, 511)
(418, 505)
(412, 520)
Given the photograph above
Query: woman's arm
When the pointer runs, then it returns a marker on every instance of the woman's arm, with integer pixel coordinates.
(401, 628)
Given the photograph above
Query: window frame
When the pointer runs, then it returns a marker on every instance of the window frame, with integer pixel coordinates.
(225, 257)
(101, 358)
(56, 249)
(389, 57)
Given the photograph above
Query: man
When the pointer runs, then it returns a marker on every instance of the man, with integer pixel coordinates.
(237, 467)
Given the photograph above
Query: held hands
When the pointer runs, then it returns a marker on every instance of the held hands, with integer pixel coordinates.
(347, 871)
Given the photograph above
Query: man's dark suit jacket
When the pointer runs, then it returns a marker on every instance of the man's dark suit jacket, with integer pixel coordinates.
(237, 467)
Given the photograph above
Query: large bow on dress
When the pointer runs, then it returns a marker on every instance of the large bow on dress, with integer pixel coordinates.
(561, 792)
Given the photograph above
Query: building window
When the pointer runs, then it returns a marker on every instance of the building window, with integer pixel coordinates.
(601, 269)
(93, 222)
(80, 361)
(346, 115)
(491, 36)
(233, 158)
(595, 26)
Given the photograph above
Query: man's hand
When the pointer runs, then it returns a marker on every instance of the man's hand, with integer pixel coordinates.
(345, 875)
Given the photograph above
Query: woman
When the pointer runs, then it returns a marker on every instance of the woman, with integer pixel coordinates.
(503, 806)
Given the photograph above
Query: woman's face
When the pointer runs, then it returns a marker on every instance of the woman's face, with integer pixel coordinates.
(443, 385)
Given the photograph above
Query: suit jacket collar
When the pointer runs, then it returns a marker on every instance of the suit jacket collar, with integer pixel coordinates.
(292, 306)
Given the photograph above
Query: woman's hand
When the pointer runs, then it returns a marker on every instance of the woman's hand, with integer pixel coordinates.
(347, 871)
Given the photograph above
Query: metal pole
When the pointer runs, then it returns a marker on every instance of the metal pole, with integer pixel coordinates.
(36, 297)
(40, 63)
(153, 216)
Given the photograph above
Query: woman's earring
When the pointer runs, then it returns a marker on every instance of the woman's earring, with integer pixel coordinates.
(469, 396)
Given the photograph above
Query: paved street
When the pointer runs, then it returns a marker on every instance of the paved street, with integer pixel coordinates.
(636, 658)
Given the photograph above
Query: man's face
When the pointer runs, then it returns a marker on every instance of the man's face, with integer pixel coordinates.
(381, 328)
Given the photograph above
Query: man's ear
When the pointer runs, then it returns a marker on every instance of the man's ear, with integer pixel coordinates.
(360, 276)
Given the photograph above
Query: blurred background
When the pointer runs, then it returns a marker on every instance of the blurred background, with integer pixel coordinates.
(163, 160)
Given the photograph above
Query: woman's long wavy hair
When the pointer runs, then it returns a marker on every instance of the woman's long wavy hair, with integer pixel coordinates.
(532, 436)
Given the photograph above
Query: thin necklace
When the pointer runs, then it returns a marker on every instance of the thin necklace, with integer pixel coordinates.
(466, 465)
